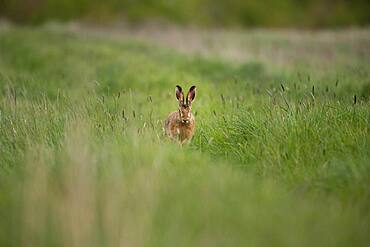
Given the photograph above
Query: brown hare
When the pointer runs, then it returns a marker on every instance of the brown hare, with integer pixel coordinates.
(180, 124)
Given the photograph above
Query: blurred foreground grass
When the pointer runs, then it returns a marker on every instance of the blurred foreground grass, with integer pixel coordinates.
(280, 157)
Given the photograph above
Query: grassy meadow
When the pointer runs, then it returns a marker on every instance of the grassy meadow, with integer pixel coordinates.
(281, 154)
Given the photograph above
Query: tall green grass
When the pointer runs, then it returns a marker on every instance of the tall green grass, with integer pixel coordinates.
(277, 159)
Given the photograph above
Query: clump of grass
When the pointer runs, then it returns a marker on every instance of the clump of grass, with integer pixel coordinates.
(295, 145)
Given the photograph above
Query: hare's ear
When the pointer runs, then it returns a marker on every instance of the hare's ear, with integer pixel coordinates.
(191, 95)
(179, 94)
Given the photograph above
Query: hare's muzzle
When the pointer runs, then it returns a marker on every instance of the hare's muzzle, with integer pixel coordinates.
(185, 121)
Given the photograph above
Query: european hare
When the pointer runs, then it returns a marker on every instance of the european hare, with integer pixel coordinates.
(180, 124)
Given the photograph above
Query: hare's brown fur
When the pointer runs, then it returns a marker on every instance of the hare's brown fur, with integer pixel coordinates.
(180, 124)
(177, 130)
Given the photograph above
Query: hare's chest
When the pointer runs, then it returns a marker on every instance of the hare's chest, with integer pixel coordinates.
(184, 132)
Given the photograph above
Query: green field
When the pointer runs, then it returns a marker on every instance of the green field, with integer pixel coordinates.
(280, 157)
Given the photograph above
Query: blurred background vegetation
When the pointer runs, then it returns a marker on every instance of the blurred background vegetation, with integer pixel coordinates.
(204, 13)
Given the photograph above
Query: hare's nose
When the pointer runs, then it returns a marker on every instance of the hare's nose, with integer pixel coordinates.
(185, 121)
